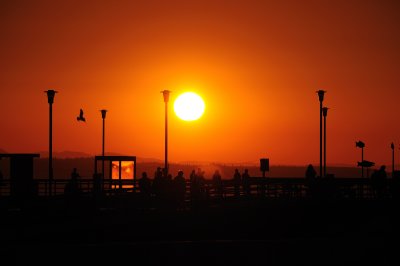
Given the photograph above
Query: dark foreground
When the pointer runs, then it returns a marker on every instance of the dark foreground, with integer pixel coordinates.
(236, 232)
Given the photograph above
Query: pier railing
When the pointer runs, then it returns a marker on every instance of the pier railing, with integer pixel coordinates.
(283, 187)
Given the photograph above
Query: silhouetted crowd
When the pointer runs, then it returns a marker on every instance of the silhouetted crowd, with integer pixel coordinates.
(175, 190)
(172, 191)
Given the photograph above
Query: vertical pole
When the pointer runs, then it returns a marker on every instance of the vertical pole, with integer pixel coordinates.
(362, 162)
(392, 146)
(320, 138)
(166, 139)
(392, 162)
(50, 147)
(102, 149)
(324, 145)
(321, 99)
(325, 113)
(166, 99)
(103, 116)
(50, 100)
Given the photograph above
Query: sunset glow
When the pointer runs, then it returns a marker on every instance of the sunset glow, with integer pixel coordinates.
(257, 65)
(189, 106)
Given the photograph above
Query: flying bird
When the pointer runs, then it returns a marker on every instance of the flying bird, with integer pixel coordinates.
(80, 117)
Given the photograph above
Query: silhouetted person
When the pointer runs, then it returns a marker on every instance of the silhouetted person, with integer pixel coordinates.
(310, 176)
(1, 181)
(157, 182)
(395, 185)
(237, 180)
(193, 185)
(246, 183)
(168, 187)
(197, 191)
(81, 117)
(202, 183)
(145, 185)
(379, 181)
(72, 188)
(97, 185)
(217, 183)
(310, 172)
(179, 185)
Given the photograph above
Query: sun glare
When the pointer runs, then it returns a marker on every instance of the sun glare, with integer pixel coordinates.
(189, 106)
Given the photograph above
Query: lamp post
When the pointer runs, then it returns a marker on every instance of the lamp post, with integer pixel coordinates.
(103, 116)
(50, 100)
(325, 113)
(321, 94)
(361, 145)
(392, 147)
(166, 99)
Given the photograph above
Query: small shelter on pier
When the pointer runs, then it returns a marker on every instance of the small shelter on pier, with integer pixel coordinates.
(116, 172)
(21, 180)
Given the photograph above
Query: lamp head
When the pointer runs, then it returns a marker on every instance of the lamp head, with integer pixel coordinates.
(103, 113)
(50, 96)
(325, 111)
(166, 95)
(392, 146)
(321, 95)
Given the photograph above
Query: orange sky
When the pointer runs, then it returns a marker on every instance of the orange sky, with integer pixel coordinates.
(257, 64)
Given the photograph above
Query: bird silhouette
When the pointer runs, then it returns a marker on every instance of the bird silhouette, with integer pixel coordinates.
(80, 117)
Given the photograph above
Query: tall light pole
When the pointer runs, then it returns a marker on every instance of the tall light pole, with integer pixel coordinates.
(325, 113)
(321, 94)
(361, 145)
(103, 116)
(392, 147)
(50, 100)
(166, 99)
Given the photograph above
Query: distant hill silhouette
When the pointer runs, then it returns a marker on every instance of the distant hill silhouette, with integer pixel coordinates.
(65, 154)
(85, 165)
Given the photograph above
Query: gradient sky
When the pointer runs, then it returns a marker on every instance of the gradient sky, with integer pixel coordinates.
(257, 65)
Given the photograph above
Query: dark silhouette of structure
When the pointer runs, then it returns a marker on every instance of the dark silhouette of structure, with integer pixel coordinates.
(325, 113)
(166, 99)
(361, 145)
(379, 182)
(1, 178)
(103, 116)
(392, 147)
(365, 164)
(114, 183)
(264, 166)
(50, 100)
(22, 183)
(81, 117)
(321, 94)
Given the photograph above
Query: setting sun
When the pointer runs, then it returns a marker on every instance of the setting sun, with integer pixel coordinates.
(189, 106)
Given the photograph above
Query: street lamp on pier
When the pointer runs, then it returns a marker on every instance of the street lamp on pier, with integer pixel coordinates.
(50, 100)
(361, 145)
(166, 99)
(103, 116)
(321, 94)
